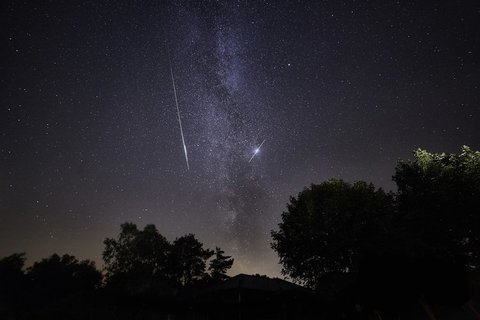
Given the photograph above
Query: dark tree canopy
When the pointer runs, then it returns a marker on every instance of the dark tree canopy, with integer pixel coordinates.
(142, 268)
(144, 260)
(136, 261)
(219, 265)
(189, 260)
(439, 202)
(12, 276)
(136, 250)
(326, 227)
(427, 233)
(61, 275)
(12, 267)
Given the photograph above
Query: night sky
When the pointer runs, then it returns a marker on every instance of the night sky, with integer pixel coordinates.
(89, 135)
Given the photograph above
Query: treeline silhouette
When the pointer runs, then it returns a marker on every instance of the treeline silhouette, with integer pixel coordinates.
(364, 253)
(144, 275)
(382, 254)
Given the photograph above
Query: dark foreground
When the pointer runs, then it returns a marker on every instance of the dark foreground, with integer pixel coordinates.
(241, 297)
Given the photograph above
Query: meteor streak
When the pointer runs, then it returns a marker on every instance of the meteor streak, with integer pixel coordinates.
(176, 101)
(178, 116)
(256, 151)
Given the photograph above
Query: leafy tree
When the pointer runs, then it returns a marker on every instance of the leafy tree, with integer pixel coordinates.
(144, 261)
(11, 267)
(136, 261)
(59, 276)
(136, 250)
(188, 260)
(12, 275)
(439, 201)
(327, 227)
(219, 265)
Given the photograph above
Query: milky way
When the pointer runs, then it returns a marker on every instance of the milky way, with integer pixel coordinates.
(226, 104)
(89, 130)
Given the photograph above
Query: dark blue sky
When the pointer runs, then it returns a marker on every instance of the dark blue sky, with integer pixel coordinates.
(89, 136)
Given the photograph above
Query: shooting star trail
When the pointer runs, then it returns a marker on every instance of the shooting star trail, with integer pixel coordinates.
(178, 116)
(176, 99)
(256, 151)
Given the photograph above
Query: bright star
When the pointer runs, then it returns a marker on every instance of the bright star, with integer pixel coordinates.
(257, 150)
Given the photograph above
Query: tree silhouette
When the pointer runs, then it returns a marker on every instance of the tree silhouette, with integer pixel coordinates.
(439, 201)
(327, 227)
(136, 262)
(188, 260)
(219, 265)
(145, 262)
(60, 276)
(134, 249)
(415, 243)
(12, 277)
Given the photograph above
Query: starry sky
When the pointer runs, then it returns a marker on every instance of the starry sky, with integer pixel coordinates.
(89, 135)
